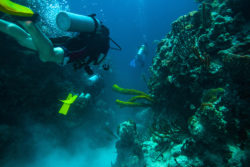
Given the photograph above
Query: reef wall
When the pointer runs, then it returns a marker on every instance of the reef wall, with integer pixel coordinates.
(200, 78)
(201, 86)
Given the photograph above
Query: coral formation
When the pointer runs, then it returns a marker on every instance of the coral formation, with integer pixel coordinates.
(129, 147)
(131, 102)
(200, 78)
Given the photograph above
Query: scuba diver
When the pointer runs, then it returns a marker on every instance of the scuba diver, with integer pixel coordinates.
(91, 45)
(140, 57)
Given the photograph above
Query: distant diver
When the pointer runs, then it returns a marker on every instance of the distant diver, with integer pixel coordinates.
(140, 57)
(91, 45)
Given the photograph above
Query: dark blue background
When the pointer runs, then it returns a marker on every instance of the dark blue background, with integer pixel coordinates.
(132, 22)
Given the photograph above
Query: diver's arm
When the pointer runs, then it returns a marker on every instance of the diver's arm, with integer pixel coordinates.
(13, 30)
(44, 46)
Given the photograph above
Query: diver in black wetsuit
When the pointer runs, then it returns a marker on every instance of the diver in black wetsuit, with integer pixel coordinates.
(85, 48)
(81, 50)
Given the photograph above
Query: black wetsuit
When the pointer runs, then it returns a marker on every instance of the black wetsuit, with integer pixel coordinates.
(85, 48)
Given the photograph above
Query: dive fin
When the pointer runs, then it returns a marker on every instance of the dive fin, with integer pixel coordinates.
(132, 63)
(15, 9)
(66, 104)
(64, 109)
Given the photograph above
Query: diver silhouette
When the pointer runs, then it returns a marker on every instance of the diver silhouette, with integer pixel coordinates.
(90, 45)
(140, 57)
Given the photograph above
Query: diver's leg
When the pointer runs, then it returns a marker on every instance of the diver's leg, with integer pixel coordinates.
(13, 30)
(44, 46)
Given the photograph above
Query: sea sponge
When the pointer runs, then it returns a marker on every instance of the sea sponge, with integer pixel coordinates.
(131, 102)
(127, 91)
(147, 97)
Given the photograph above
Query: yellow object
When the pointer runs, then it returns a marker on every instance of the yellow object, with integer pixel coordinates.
(66, 104)
(149, 98)
(131, 102)
(12, 8)
(127, 91)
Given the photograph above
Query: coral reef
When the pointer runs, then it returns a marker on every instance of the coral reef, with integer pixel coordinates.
(200, 78)
(131, 102)
(129, 146)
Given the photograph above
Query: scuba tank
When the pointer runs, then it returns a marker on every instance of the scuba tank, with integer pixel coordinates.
(67, 21)
(141, 50)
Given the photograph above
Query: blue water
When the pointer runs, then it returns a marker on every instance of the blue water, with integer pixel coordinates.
(131, 23)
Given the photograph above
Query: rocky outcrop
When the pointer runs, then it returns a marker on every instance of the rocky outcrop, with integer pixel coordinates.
(200, 85)
(200, 78)
(129, 148)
